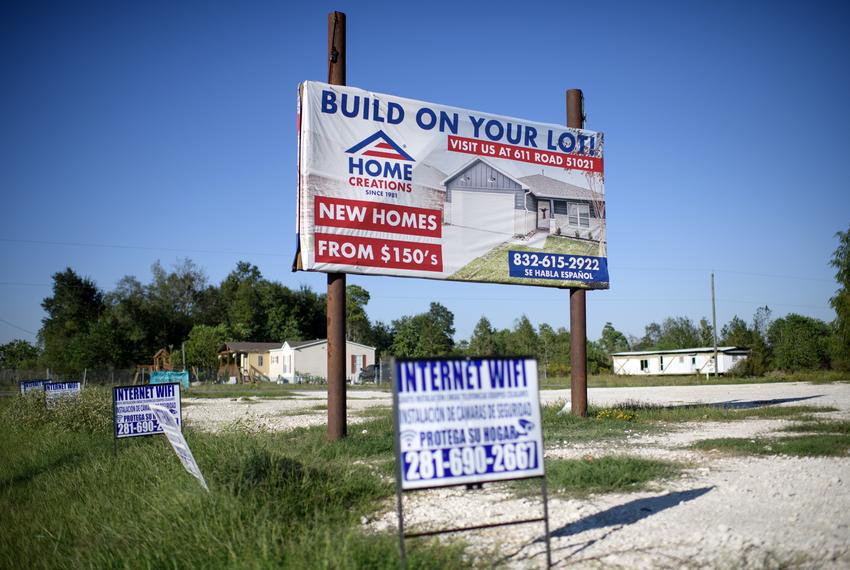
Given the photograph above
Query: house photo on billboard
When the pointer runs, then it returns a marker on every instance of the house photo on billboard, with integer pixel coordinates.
(482, 196)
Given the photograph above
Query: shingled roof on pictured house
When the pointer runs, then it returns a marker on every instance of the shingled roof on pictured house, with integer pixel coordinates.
(250, 346)
(305, 343)
(546, 187)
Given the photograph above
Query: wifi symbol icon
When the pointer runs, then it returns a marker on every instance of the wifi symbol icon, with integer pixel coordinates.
(408, 439)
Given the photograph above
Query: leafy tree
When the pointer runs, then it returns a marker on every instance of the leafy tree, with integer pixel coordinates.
(554, 350)
(736, 333)
(598, 360)
(612, 340)
(678, 332)
(18, 355)
(72, 311)
(426, 334)
(381, 337)
(202, 346)
(523, 339)
(357, 326)
(799, 343)
(840, 341)
(483, 340)
(174, 301)
(651, 337)
(705, 333)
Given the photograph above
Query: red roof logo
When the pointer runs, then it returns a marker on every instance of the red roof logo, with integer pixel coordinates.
(380, 145)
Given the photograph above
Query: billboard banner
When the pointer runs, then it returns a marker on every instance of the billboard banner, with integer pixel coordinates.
(466, 420)
(394, 186)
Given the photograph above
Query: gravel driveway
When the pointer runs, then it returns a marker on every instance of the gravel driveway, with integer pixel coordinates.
(721, 512)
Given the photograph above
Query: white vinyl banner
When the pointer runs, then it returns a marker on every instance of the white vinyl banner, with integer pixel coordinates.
(178, 442)
(394, 186)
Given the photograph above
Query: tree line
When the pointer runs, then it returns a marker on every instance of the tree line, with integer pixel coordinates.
(86, 327)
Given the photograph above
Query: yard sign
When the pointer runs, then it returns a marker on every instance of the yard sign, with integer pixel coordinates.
(55, 391)
(131, 406)
(394, 186)
(32, 386)
(466, 421)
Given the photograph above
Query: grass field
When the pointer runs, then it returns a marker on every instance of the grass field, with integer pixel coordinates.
(621, 381)
(277, 499)
(817, 438)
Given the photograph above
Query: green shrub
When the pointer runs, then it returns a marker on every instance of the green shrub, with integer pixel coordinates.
(89, 412)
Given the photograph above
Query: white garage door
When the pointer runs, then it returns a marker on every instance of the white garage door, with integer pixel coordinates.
(484, 211)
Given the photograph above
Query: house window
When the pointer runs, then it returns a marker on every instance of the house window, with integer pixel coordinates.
(644, 365)
(661, 363)
(579, 215)
(259, 360)
(693, 361)
(560, 207)
(681, 359)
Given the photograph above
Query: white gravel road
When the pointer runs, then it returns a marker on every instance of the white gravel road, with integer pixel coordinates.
(722, 512)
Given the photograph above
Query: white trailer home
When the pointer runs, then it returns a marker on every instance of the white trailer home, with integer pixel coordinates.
(676, 362)
(298, 359)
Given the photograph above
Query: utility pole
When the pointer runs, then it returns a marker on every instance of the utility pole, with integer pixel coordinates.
(578, 307)
(336, 281)
(714, 325)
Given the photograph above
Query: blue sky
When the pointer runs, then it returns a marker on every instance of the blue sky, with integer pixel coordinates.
(140, 131)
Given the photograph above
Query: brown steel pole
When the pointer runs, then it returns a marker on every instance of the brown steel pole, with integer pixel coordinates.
(336, 281)
(578, 309)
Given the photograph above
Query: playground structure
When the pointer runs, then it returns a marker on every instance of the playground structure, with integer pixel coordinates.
(161, 361)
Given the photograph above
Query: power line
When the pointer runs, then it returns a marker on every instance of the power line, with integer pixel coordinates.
(645, 269)
(13, 325)
(138, 247)
(641, 269)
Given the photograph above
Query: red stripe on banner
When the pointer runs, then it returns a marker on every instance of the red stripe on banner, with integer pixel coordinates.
(357, 251)
(384, 145)
(522, 154)
(377, 216)
(394, 155)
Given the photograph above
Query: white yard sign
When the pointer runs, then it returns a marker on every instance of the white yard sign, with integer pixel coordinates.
(55, 391)
(467, 421)
(132, 415)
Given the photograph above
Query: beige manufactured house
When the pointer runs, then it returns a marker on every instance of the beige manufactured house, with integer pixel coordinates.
(245, 361)
(297, 361)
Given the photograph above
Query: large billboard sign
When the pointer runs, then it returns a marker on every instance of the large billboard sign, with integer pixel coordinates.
(394, 186)
(463, 421)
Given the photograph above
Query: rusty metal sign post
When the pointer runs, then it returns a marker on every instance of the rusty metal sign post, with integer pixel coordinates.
(446, 434)
(337, 425)
(578, 300)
